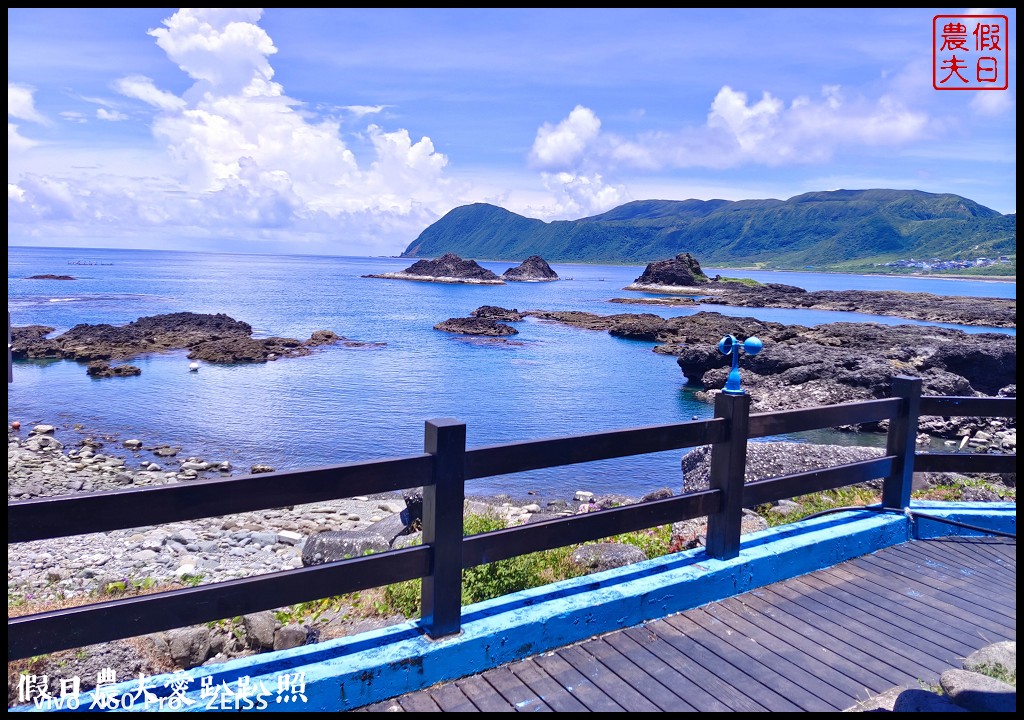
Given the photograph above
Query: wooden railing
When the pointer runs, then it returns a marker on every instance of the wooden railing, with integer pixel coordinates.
(442, 471)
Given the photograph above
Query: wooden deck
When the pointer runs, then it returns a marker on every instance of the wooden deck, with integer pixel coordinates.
(821, 642)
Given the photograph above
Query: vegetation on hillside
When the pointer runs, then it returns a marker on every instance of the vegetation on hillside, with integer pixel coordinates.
(822, 230)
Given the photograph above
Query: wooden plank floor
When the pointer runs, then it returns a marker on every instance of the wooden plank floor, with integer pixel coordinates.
(820, 642)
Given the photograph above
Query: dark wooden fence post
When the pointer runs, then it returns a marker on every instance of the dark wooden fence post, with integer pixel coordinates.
(901, 441)
(443, 503)
(728, 467)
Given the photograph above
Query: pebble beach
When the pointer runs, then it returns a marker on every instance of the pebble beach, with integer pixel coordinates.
(45, 461)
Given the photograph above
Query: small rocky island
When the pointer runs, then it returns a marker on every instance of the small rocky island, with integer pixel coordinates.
(213, 338)
(49, 276)
(679, 274)
(485, 320)
(533, 269)
(449, 268)
(682, 276)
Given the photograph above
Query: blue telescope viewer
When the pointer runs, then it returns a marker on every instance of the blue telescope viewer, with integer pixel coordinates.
(729, 345)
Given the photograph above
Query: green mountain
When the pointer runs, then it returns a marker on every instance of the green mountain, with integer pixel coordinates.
(840, 229)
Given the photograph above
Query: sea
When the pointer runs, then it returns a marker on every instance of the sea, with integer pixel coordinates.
(344, 404)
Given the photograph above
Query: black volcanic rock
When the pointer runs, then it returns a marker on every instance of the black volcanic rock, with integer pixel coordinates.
(476, 326)
(248, 350)
(841, 362)
(448, 268)
(50, 277)
(960, 310)
(532, 269)
(497, 313)
(451, 265)
(103, 369)
(682, 271)
(214, 338)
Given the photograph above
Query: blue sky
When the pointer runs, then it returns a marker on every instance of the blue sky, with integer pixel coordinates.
(349, 131)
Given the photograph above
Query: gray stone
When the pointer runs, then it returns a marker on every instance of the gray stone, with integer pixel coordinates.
(689, 534)
(990, 657)
(605, 556)
(290, 636)
(909, 700)
(265, 538)
(978, 693)
(390, 527)
(44, 442)
(289, 537)
(333, 545)
(774, 459)
(260, 628)
(189, 646)
(661, 494)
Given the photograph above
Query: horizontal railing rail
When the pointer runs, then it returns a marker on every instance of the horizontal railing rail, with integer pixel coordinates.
(826, 416)
(555, 452)
(442, 471)
(64, 516)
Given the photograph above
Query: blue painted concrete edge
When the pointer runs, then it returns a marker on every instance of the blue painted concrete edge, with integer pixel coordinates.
(351, 672)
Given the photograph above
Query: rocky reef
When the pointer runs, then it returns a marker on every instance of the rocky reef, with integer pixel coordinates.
(486, 320)
(953, 309)
(449, 268)
(828, 364)
(103, 369)
(494, 312)
(533, 269)
(476, 326)
(213, 338)
(959, 310)
(681, 273)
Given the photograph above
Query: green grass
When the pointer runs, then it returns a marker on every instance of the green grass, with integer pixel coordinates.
(490, 580)
(740, 281)
(853, 495)
(953, 489)
(999, 672)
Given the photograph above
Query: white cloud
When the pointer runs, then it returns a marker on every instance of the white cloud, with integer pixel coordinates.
(738, 132)
(111, 115)
(245, 155)
(993, 103)
(222, 48)
(752, 126)
(578, 195)
(142, 88)
(563, 145)
(16, 142)
(21, 104)
(361, 110)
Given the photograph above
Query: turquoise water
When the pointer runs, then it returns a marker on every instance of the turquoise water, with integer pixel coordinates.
(344, 404)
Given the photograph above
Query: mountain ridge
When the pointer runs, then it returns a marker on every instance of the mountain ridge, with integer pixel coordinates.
(833, 228)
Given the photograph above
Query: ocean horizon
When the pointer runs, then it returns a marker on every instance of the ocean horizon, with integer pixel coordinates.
(344, 404)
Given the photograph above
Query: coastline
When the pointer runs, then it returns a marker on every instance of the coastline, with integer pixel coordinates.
(435, 279)
(43, 573)
(820, 271)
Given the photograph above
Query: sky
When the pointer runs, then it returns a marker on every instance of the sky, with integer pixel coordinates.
(350, 131)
